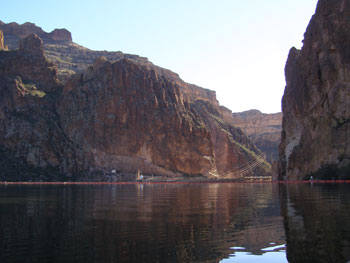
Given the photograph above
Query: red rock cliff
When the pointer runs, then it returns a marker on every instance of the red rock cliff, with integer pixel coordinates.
(128, 116)
(263, 129)
(124, 115)
(2, 45)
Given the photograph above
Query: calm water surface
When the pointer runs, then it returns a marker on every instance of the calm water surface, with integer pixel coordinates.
(227, 222)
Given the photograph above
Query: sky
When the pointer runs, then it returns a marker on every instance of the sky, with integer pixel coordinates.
(236, 47)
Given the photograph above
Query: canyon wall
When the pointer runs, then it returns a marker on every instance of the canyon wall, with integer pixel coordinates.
(263, 129)
(316, 100)
(129, 116)
(32, 143)
(124, 115)
(60, 49)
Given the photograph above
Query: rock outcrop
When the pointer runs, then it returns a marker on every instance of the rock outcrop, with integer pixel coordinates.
(69, 57)
(2, 45)
(21, 31)
(316, 101)
(129, 116)
(125, 115)
(32, 144)
(263, 129)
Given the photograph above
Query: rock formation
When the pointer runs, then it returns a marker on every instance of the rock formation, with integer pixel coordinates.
(316, 101)
(21, 31)
(263, 129)
(2, 45)
(124, 115)
(32, 144)
(132, 116)
(69, 57)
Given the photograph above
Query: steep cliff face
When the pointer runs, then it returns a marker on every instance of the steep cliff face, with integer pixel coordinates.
(236, 155)
(263, 129)
(32, 145)
(72, 58)
(316, 101)
(128, 116)
(124, 115)
(2, 45)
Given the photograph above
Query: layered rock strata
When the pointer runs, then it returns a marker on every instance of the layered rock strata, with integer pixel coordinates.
(263, 129)
(60, 49)
(21, 31)
(316, 101)
(124, 115)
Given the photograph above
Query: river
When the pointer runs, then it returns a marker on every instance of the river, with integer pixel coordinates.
(195, 222)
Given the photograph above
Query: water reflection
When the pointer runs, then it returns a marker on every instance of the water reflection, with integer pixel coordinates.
(317, 222)
(139, 223)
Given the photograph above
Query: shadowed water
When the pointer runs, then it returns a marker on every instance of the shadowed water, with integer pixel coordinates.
(227, 222)
(317, 222)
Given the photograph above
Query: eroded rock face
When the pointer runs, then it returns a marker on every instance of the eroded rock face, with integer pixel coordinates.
(2, 45)
(128, 117)
(32, 45)
(69, 57)
(125, 115)
(62, 35)
(22, 31)
(263, 129)
(316, 101)
(32, 144)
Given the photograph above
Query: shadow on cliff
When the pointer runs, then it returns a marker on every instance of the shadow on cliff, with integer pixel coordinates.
(14, 170)
(330, 172)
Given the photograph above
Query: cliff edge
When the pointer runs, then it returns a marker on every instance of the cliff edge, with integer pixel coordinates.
(316, 100)
(121, 116)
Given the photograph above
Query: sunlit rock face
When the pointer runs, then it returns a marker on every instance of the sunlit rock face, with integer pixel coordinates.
(129, 117)
(21, 31)
(316, 101)
(132, 116)
(124, 115)
(2, 45)
(60, 49)
(263, 129)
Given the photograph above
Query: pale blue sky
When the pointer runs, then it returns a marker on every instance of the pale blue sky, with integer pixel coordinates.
(236, 47)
